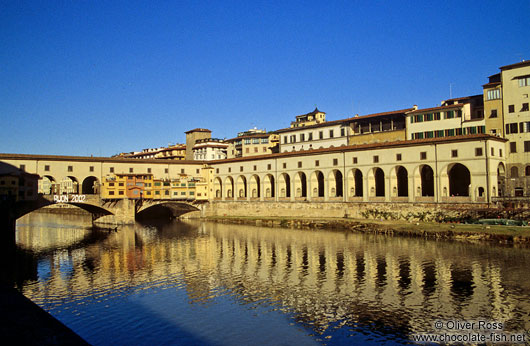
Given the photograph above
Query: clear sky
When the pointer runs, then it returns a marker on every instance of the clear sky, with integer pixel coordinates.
(103, 77)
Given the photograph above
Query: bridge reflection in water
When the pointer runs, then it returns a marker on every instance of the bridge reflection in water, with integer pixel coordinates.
(327, 281)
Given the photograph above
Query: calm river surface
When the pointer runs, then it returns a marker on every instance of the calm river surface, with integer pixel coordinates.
(216, 284)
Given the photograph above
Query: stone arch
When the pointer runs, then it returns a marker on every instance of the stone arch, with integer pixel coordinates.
(255, 186)
(268, 186)
(427, 181)
(399, 178)
(501, 179)
(69, 185)
(241, 187)
(514, 172)
(48, 185)
(317, 184)
(90, 186)
(376, 182)
(336, 183)
(230, 187)
(300, 185)
(459, 180)
(218, 187)
(355, 183)
(284, 185)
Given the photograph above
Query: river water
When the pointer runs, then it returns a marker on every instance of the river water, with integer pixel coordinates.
(198, 283)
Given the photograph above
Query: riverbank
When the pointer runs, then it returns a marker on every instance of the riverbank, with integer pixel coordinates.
(22, 322)
(431, 230)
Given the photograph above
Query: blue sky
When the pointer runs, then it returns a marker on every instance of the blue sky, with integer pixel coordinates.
(99, 78)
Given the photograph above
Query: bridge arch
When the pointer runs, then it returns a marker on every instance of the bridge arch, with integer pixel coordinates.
(168, 209)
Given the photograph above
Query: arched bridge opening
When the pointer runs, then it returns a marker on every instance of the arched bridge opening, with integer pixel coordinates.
(168, 210)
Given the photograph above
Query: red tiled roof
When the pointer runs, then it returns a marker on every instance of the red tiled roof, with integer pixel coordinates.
(359, 147)
(198, 130)
(441, 108)
(516, 65)
(342, 121)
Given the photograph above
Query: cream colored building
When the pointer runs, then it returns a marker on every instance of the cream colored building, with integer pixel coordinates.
(515, 81)
(252, 144)
(493, 112)
(439, 170)
(455, 117)
(210, 149)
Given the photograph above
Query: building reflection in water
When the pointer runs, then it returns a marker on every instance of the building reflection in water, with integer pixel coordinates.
(326, 280)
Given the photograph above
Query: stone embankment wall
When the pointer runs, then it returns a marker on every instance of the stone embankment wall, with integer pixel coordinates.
(375, 211)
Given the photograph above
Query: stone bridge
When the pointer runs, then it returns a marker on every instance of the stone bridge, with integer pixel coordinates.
(125, 211)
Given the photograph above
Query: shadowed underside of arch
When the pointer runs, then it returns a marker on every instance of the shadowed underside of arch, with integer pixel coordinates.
(168, 209)
(25, 207)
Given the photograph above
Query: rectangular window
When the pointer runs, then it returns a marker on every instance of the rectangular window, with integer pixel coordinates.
(119, 184)
(320, 134)
(317, 163)
(454, 153)
(493, 94)
(335, 162)
(526, 146)
(269, 167)
(111, 184)
(246, 141)
(449, 115)
(418, 118)
(511, 108)
(439, 133)
(524, 81)
(255, 140)
(423, 155)
(264, 141)
(302, 137)
(376, 159)
(429, 134)
(229, 169)
(241, 168)
(91, 169)
(47, 168)
(449, 132)
(111, 193)
(437, 116)
(428, 117)
(255, 149)
(284, 165)
(493, 113)
(299, 164)
(511, 128)
(120, 192)
(525, 107)
(330, 133)
(247, 150)
(354, 160)
(513, 147)
(182, 171)
(342, 132)
(284, 139)
(310, 136)
(478, 151)
(398, 157)
(500, 152)
(492, 152)
(70, 168)
(255, 167)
